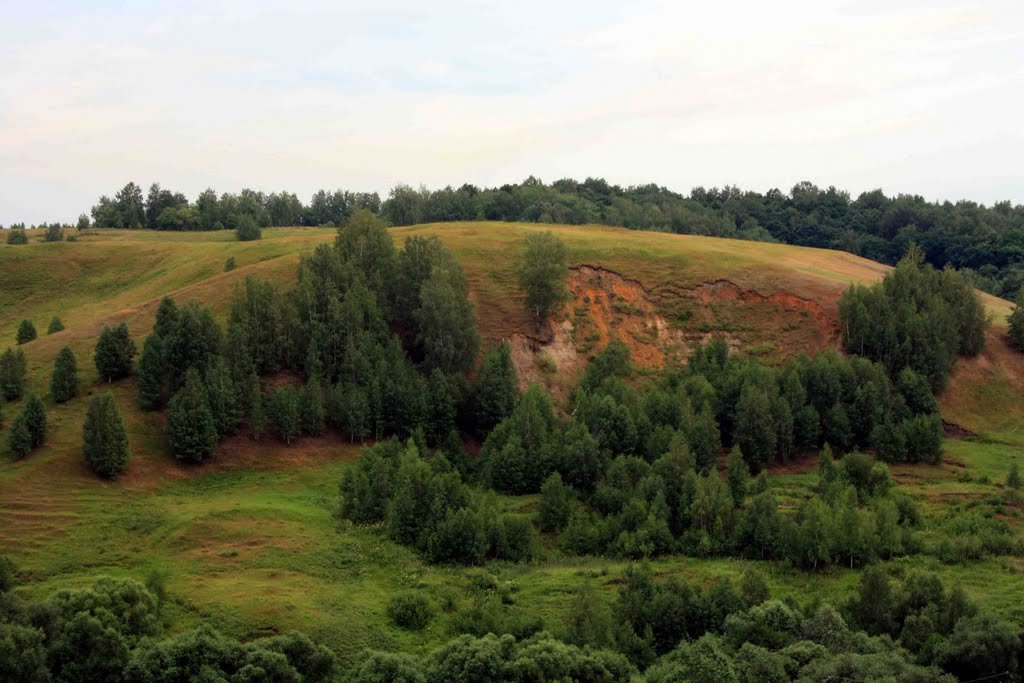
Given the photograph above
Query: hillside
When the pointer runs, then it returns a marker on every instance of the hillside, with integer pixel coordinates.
(661, 292)
(249, 540)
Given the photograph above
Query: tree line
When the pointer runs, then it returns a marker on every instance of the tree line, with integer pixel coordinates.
(979, 240)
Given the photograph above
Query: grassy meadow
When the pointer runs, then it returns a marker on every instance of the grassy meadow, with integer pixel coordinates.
(250, 541)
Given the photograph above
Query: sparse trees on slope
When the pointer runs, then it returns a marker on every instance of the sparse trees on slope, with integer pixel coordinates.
(64, 382)
(26, 332)
(114, 353)
(191, 429)
(104, 438)
(542, 274)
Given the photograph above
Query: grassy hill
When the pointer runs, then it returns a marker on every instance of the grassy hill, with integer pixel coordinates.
(249, 541)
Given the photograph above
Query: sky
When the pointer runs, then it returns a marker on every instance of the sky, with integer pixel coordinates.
(912, 97)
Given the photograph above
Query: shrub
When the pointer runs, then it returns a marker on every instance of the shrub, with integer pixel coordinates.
(410, 611)
(17, 236)
(229, 265)
(54, 233)
(55, 325)
(247, 230)
(12, 374)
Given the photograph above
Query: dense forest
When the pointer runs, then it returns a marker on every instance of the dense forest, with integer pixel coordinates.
(985, 243)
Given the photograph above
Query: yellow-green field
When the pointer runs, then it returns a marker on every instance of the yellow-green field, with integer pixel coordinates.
(249, 540)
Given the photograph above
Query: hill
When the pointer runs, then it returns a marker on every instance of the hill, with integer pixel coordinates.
(249, 540)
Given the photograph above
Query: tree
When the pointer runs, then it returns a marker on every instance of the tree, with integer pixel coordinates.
(114, 353)
(229, 264)
(555, 502)
(257, 413)
(311, 408)
(542, 274)
(55, 325)
(12, 374)
(26, 332)
(151, 382)
(64, 382)
(166, 318)
(496, 388)
(104, 438)
(191, 429)
(1013, 480)
(19, 439)
(35, 420)
(247, 230)
(447, 323)
(755, 431)
(22, 654)
(194, 342)
(738, 475)
(284, 411)
(1015, 322)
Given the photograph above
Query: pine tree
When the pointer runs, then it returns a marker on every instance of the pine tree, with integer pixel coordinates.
(19, 440)
(12, 374)
(190, 426)
(35, 420)
(104, 438)
(1013, 478)
(26, 332)
(150, 385)
(114, 353)
(64, 382)
(737, 475)
(311, 408)
(55, 325)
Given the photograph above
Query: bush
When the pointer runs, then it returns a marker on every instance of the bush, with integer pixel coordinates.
(410, 611)
(26, 332)
(54, 233)
(247, 230)
(55, 325)
(229, 265)
(17, 236)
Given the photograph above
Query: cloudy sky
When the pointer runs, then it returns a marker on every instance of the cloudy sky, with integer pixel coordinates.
(920, 97)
